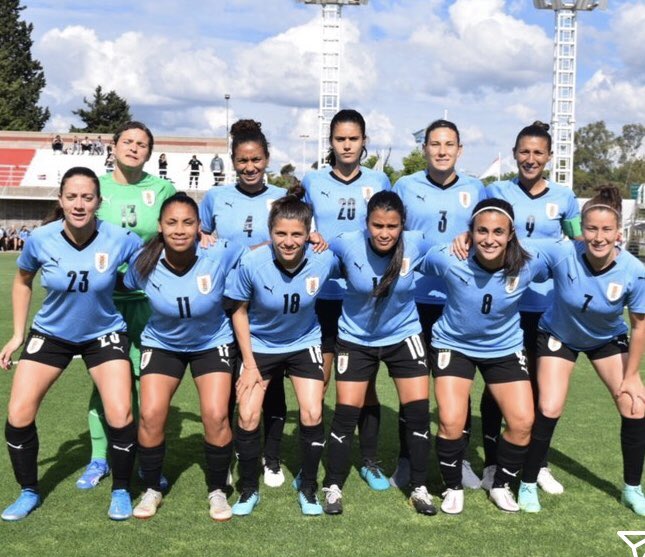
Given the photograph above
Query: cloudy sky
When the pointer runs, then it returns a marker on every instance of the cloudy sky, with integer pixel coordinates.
(487, 62)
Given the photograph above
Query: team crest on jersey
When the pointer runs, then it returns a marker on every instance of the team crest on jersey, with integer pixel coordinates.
(270, 204)
(148, 197)
(368, 192)
(35, 344)
(145, 358)
(443, 359)
(342, 362)
(552, 210)
(204, 284)
(554, 344)
(465, 199)
(511, 284)
(312, 284)
(405, 266)
(614, 290)
(101, 261)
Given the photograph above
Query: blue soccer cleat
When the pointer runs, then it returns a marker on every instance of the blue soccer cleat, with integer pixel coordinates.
(527, 498)
(249, 498)
(121, 505)
(27, 501)
(632, 497)
(372, 473)
(96, 470)
(309, 503)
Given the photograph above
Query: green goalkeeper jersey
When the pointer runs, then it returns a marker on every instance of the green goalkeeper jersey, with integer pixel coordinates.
(136, 207)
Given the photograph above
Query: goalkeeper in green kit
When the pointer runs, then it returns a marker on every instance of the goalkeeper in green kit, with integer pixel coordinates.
(131, 199)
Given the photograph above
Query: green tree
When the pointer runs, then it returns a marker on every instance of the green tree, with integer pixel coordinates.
(105, 113)
(388, 169)
(630, 141)
(414, 162)
(21, 77)
(286, 179)
(595, 148)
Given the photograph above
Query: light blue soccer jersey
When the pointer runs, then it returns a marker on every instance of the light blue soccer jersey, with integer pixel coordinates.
(481, 316)
(374, 321)
(237, 215)
(79, 280)
(537, 217)
(282, 314)
(187, 308)
(341, 206)
(587, 309)
(441, 213)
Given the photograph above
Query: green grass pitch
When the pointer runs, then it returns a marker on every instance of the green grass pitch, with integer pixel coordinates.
(584, 521)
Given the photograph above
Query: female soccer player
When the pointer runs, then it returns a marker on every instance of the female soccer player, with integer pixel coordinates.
(379, 322)
(78, 257)
(543, 209)
(594, 281)
(479, 328)
(274, 290)
(131, 200)
(439, 203)
(239, 212)
(185, 286)
(339, 199)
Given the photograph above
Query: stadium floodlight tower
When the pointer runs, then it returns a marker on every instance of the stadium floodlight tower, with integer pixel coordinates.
(563, 108)
(330, 72)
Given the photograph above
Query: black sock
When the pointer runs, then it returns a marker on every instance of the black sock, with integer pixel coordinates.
(369, 422)
(312, 442)
(247, 446)
(491, 426)
(274, 411)
(340, 444)
(450, 454)
(510, 459)
(151, 464)
(218, 462)
(632, 443)
(541, 436)
(123, 450)
(22, 443)
(417, 422)
(403, 442)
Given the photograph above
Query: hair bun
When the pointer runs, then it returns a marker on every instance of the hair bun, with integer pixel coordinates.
(539, 124)
(245, 127)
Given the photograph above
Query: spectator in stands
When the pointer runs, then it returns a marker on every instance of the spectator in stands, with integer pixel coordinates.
(22, 236)
(163, 166)
(76, 146)
(109, 162)
(217, 168)
(57, 145)
(12, 239)
(3, 237)
(86, 146)
(195, 170)
(97, 146)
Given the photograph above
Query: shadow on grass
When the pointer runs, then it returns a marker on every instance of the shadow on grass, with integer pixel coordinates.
(71, 457)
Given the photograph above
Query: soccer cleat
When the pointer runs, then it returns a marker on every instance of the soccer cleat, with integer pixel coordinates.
(632, 497)
(309, 502)
(503, 498)
(548, 483)
(273, 474)
(96, 470)
(453, 501)
(468, 478)
(249, 498)
(372, 473)
(121, 505)
(527, 498)
(333, 499)
(401, 476)
(421, 500)
(220, 510)
(27, 501)
(488, 477)
(147, 507)
(163, 481)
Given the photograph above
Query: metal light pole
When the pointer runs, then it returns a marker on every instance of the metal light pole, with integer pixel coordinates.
(304, 138)
(228, 174)
(330, 70)
(563, 107)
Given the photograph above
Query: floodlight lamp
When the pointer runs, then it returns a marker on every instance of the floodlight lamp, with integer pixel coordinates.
(578, 5)
(334, 2)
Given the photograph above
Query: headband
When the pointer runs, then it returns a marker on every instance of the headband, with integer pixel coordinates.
(600, 206)
(491, 208)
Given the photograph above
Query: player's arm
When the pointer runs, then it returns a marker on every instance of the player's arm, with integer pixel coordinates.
(21, 298)
(249, 374)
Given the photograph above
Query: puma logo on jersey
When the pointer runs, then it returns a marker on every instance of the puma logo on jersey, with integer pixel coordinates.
(462, 279)
(422, 198)
(157, 286)
(56, 261)
(325, 193)
(124, 449)
(359, 267)
(448, 464)
(571, 279)
(422, 435)
(338, 438)
(270, 289)
(229, 204)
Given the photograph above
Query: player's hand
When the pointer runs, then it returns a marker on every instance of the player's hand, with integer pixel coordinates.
(7, 351)
(208, 240)
(635, 390)
(461, 245)
(249, 377)
(318, 242)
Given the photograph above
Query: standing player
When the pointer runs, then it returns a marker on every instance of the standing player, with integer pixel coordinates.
(195, 170)
(275, 289)
(339, 198)
(543, 210)
(239, 212)
(479, 328)
(131, 200)
(594, 281)
(185, 286)
(438, 203)
(78, 257)
(379, 322)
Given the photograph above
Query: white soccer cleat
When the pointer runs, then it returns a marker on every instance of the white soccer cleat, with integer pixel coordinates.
(274, 476)
(504, 499)
(453, 501)
(147, 507)
(220, 510)
(548, 483)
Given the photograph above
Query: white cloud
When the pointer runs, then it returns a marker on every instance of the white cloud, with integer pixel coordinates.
(616, 101)
(628, 31)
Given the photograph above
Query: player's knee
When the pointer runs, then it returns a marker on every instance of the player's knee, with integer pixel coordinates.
(311, 416)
